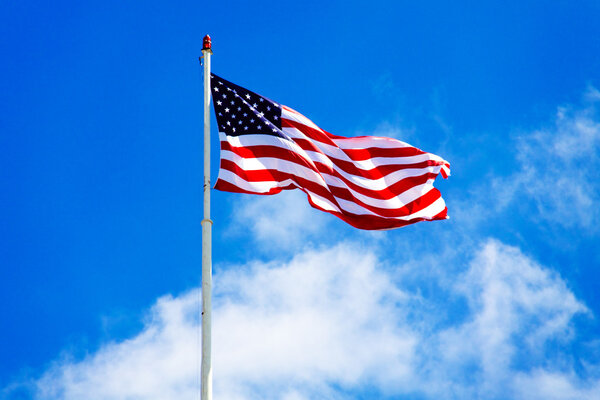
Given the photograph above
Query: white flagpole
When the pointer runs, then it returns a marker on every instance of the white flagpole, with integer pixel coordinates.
(206, 367)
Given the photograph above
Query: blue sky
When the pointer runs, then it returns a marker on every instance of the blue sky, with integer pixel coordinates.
(101, 163)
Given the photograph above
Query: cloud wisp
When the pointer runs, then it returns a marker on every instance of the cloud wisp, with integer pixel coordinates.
(558, 166)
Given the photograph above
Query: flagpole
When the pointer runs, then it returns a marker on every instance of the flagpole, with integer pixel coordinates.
(206, 366)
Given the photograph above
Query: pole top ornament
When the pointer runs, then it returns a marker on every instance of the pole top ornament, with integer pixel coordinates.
(206, 44)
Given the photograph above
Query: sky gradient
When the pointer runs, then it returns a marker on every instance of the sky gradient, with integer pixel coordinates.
(101, 160)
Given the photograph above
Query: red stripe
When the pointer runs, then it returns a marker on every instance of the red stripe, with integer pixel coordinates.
(312, 133)
(443, 172)
(367, 153)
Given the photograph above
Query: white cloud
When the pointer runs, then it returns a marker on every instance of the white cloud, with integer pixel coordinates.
(306, 321)
(330, 322)
(280, 331)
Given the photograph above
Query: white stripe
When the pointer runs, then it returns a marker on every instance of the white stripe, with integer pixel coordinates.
(322, 202)
(254, 140)
(431, 210)
(364, 142)
(446, 169)
(294, 115)
(258, 187)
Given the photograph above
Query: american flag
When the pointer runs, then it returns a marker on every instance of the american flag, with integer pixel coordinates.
(370, 182)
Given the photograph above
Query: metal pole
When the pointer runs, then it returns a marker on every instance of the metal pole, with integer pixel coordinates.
(206, 367)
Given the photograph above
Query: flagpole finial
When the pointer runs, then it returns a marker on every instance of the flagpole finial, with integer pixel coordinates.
(206, 44)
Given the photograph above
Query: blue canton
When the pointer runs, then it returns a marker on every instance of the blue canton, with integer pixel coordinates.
(242, 112)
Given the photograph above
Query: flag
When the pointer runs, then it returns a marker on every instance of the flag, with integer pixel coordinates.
(369, 182)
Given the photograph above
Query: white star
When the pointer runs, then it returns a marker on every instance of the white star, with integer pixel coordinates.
(224, 96)
(219, 102)
(252, 120)
(221, 114)
(245, 115)
(274, 130)
(229, 89)
(233, 129)
(239, 108)
(261, 114)
(268, 108)
(261, 99)
(220, 83)
(240, 122)
(226, 109)
(245, 128)
(228, 123)
(275, 116)
(232, 115)
(232, 102)
(247, 96)
(259, 127)
(267, 123)
(216, 89)
(254, 105)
